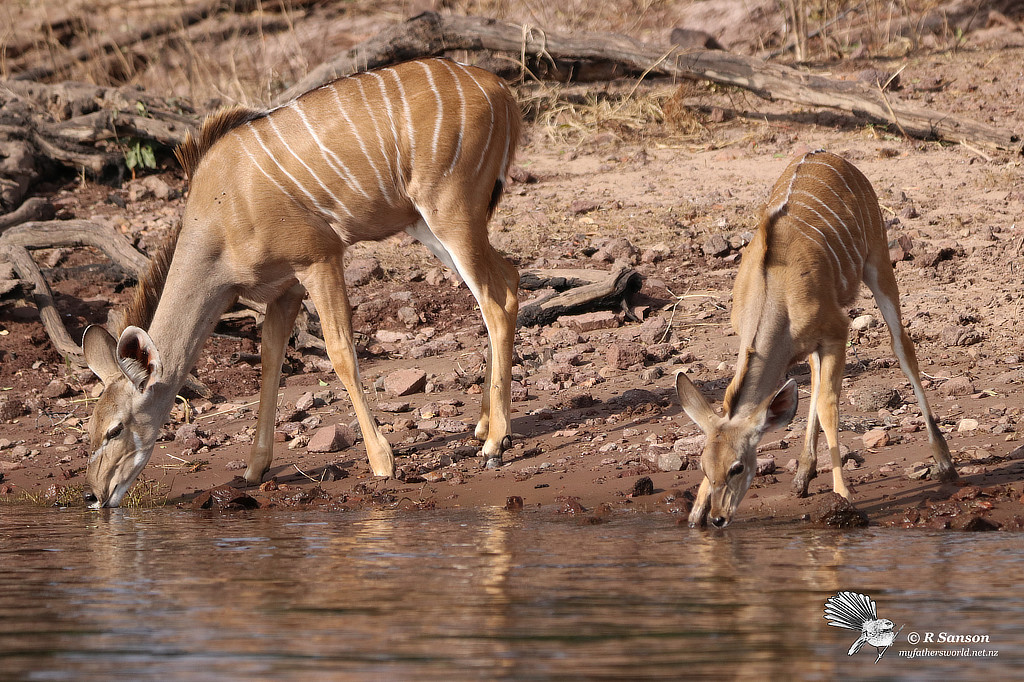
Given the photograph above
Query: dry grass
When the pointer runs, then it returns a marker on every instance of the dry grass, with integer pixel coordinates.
(571, 115)
(146, 493)
(248, 57)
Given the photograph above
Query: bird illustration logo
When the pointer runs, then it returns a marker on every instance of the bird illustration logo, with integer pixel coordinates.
(855, 611)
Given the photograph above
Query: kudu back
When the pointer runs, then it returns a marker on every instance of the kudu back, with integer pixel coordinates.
(275, 199)
(821, 234)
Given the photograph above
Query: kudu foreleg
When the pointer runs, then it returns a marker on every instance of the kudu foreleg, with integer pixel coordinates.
(277, 327)
(807, 467)
(882, 283)
(326, 285)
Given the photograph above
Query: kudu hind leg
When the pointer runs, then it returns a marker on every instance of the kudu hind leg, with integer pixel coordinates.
(494, 283)
(326, 285)
(277, 327)
(882, 282)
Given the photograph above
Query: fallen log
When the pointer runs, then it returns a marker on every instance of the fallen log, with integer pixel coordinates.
(430, 34)
(601, 290)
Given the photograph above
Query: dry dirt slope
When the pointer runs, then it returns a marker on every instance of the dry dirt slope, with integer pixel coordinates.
(592, 423)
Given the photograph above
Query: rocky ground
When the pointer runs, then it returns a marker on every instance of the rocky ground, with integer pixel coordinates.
(598, 430)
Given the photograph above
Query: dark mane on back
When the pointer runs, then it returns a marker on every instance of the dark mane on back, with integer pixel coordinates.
(139, 311)
(194, 147)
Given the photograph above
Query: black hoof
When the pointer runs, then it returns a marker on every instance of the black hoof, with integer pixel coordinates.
(506, 443)
(492, 462)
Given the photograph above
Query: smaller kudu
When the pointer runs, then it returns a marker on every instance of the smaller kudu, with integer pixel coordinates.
(275, 199)
(821, 234)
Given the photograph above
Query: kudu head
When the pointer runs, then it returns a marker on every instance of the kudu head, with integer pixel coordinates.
(127, 418)
(729, 460)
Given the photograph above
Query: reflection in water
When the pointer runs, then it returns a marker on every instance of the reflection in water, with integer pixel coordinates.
(481, 594)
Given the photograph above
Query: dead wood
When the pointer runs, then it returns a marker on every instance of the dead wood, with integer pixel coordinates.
(35, 208)
(601, 289)
(432, 34)
(79, 126)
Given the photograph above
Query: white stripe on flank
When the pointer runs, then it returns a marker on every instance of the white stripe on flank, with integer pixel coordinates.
(261, 169)
(781, 204)
(362, 146)
(370, 109)
(281, 168)
(490, 130)
(839, 176)
(835, 230)
(858, 238)
(462, 117)
(851, 237)
(824, 244)
(410, 132)
(440, 110)
(327, 190)
(338, 166)
(396, 167)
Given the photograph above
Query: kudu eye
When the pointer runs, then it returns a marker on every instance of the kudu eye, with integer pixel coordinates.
(736, 469)
(114, 431)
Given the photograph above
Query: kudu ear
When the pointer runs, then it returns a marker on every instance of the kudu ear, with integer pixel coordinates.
(781, 407)
(694, 403)
(100, 349)
(137, 357)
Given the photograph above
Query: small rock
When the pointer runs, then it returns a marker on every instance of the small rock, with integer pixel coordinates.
(643, 486)
(332, 439)
(361, 271)
(715, 245)
(837, 511)
(190, 437)
(623, 355)
(876, 438)
(966, 425)
(863, 322)
(305, 401)
(656, 253)
(56, 389)
(405, 382)
(224, 497)
(514, 503)
(586, 322)
(653, 330)
(873, 399)
(236, 465)
(11, 409)
(765, 466)
(978, 523)
(388, 336)
(408, 316)
(394, 407)
(958, 386)
(650, 375)
(581, 206)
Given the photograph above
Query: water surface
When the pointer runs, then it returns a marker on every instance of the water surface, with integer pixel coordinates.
(484, 594)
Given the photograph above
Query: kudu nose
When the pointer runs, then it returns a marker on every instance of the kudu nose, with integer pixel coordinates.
(719, 522)
(89, 497)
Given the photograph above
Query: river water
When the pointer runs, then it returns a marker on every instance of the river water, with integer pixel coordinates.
(487, 594)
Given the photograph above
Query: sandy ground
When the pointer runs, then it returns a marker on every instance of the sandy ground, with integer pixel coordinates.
(598, 430)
